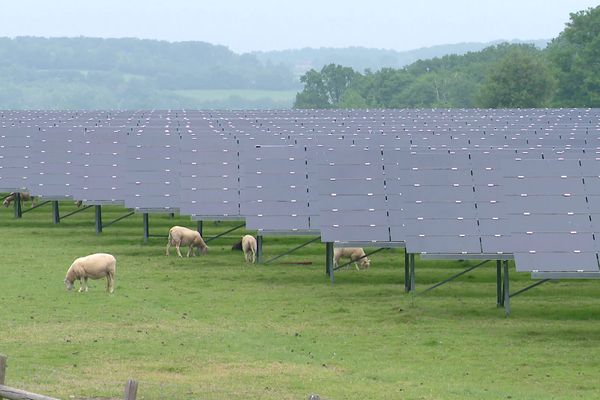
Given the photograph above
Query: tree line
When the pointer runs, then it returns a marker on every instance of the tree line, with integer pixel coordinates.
(564, 74)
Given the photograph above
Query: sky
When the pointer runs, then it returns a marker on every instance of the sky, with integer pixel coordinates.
(252, 25)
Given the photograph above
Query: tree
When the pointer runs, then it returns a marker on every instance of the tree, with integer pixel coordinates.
(575, 54)
(520, 79)
(324, 89)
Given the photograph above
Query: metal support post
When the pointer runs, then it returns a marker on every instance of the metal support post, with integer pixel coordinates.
(200, 229)
(506, 290)
(412, 273)
(98, 218)
(259, 249)
(498, 283)
(329, 260)
(146, 227)
(406, 271)
(55, 212)
(18, 206)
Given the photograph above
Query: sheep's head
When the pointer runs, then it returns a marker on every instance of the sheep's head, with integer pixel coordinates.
(365, 263)
(68, 284)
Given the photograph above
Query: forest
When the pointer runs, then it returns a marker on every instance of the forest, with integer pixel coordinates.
(129, 73)
(564, 74)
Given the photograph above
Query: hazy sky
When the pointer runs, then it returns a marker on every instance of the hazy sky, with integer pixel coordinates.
(275, 25)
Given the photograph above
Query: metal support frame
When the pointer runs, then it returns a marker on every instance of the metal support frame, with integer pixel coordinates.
(292, 250)
(329, 260)
(259, 249)
(225, 233)
(455, 276)
(365, 256)
(200, 228)
(55, 212)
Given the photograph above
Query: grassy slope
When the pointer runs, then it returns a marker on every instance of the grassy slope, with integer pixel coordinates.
(215, 328)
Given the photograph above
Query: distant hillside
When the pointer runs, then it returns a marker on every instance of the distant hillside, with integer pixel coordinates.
(360, 58)
(128, 73)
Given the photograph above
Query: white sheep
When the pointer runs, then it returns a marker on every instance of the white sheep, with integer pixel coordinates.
(180, 235)
(94, 266)
(356, 254)
(13, 196)
(249, 248)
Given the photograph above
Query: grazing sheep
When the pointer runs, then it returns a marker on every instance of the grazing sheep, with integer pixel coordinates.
(179, 235)
(249, 248)
(356, 254)
(24, 197)
(237, 245)
(94, 266)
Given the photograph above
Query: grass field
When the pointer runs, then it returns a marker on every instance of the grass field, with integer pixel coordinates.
(213, 327)
(238, 98)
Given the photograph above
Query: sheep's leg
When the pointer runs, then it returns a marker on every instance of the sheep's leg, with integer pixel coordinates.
(177, 243)
(83, 285)
(110, 283)
(168, 246)
(190, 250)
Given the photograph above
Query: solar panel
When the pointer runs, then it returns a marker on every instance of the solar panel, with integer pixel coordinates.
(53, 159)
(102, 165)
(152, 169)
(15, 149)
(352, 201)
(274, 188)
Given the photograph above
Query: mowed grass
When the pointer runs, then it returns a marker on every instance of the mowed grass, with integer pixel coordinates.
(213, 327)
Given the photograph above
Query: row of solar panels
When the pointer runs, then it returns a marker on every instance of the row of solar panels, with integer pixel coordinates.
(539, 203)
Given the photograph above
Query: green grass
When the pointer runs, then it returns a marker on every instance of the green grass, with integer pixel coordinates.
(213, 327)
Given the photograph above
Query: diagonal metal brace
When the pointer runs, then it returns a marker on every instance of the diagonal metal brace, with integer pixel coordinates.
(36, 206)
(75, 212)
(455, 276)
(365, 256)
(118, 219)
(292, 250)
(518, 292)
(224, 233)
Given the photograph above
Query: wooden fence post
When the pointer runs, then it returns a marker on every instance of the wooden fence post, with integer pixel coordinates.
(131, 390)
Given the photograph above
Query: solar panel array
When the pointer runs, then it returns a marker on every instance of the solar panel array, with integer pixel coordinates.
(487, 183)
